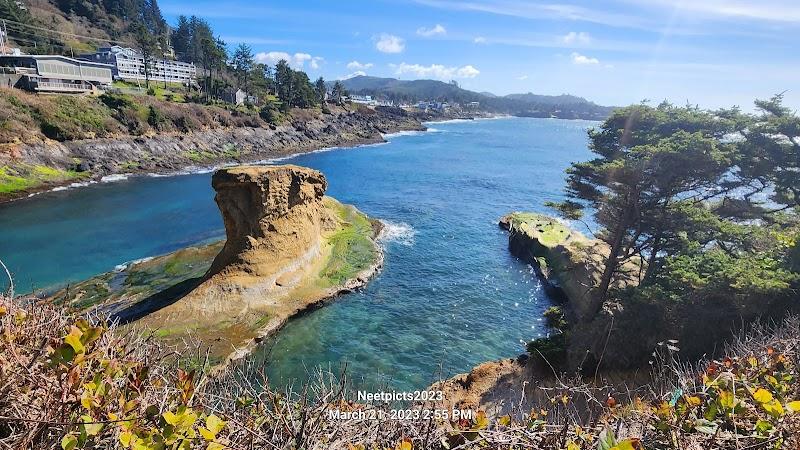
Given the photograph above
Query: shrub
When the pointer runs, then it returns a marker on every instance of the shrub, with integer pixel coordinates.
(76, 382)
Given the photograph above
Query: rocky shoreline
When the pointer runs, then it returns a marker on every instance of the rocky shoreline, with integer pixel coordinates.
(168, 153)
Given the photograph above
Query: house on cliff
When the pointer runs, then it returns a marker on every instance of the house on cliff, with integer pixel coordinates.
(53, 73)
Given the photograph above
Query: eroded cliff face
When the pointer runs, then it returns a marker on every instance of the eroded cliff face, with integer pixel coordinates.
(274, 221)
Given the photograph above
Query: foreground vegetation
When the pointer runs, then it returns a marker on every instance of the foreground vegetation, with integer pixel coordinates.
(75, 382)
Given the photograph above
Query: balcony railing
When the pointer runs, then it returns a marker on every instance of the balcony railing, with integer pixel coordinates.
(59, 86)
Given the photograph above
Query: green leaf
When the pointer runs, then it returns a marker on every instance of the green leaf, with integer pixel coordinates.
(606, 440)
(91, 428)
(69, 442)
(763, 427)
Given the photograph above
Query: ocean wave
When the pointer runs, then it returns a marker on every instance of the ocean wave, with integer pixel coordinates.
(403, 133)
(115, 177)
(448, 121)
(121, 267)
(399, 232)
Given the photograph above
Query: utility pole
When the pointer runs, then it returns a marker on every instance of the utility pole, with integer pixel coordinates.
(3, 38)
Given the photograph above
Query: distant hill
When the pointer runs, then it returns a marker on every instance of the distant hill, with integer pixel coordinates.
(531, 105)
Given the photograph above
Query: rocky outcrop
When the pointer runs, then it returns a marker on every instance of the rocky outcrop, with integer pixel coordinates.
(289, 249)
(570, 265)
(274, 220)
(172, 152)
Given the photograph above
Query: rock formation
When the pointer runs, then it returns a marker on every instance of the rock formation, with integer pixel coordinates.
(274, 220)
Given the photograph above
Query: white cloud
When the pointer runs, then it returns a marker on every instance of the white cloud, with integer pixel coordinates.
(355, 65)
(579, 59)
(429, 32)
(437, 71)
(573, 37)
(522, 77)
(357, 73)
(388, 43)
(479, 40)
(296, 61)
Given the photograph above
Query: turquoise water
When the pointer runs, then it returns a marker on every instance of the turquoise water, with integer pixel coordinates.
(450, 295)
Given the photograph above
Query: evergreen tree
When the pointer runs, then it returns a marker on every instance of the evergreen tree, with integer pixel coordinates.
(338, 92)
(648, 161)
(322, 90)
(243, 61)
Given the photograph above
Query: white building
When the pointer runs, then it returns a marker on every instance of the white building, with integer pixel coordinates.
(53, 73)
(129, 66)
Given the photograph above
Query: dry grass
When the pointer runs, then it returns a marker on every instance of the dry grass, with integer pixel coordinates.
(77, 382)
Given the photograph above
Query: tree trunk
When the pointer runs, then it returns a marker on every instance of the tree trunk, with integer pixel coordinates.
(611, 265)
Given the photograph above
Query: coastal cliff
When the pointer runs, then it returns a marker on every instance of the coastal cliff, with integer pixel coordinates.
(288, 249)
(34, 162)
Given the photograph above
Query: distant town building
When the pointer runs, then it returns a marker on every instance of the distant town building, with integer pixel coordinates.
(129, 65)
(364, 100)
(238, 97)
(53, 73)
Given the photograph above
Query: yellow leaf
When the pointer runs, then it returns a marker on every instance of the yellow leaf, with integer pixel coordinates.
(627, 444)
(762, 395)
(215, 446)
(481, 421)
(793, 406)
(773, 407)
(504, 420)
(573, 446)
(726, 399)
(405, 444)
(207, 434)
(170, 417)
(73, 339)
(125, 438)
(693, 401)
(214, 424)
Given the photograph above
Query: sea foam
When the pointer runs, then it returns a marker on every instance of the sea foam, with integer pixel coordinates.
(399, 232)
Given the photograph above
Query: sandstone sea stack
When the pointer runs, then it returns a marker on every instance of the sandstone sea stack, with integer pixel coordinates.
(288, 248)
(274, 220)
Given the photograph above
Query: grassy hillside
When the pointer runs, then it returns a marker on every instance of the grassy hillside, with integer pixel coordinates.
(28, 118)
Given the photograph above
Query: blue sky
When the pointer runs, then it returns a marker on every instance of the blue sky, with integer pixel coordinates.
(715, 53)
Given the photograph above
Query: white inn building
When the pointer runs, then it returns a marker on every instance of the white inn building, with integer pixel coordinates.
(129, 66)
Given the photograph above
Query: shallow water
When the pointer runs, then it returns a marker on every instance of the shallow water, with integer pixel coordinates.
(450, 295)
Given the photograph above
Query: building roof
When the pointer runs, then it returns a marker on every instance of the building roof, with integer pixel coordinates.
(59, 57)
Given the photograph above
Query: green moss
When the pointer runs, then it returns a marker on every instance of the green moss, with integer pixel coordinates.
(547, 230)
(23, 177)
(231, 151)
(200, 156)
(352, 247)
(142, 279)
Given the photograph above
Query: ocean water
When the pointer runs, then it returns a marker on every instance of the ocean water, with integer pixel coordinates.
(450, 295)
